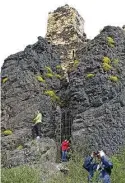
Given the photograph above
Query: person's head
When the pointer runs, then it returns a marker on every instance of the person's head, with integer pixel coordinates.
(98, 154)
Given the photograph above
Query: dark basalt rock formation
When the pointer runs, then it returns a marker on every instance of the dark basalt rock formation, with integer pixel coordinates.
(97, 104)
(23, 94)
(91, 109)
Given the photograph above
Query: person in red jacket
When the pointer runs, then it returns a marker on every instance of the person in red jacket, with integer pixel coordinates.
(64, 148)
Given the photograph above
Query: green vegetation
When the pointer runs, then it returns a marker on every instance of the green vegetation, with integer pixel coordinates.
(115, 62)
(106, 60)
(39, 78)
(20, 147)
(118, 172)
(58, 67)
(75, 63)
(21, 174)
(76, 173)
(48, 69)
(58, 76)
(90, 75)
(49, 75)
(4, 80)
(53, 95)
(7, 132)
(110, 42)
(113, 78)
(106, 67)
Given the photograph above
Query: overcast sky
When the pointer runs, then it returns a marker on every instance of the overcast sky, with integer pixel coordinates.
(22, 21)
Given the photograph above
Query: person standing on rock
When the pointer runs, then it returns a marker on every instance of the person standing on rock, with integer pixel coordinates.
(36, 130)
(103, 168)
(64, 148)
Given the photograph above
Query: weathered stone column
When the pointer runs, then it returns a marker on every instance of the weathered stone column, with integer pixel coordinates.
(65, 30)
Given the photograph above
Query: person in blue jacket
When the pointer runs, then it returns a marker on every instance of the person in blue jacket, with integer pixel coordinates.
(104, 167)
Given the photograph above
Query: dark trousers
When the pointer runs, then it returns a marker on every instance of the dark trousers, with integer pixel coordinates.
(36, 130)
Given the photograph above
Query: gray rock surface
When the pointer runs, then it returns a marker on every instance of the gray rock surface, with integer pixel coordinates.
(33, 152)
(22, 95)
(91, 109)
(97, 104)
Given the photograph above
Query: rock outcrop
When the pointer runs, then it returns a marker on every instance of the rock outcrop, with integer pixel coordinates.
(96, 92)
(89, 106)
(26, 78)
(65, 30)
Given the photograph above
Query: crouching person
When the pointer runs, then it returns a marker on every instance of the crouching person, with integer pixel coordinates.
(36, 130)
(103, 167)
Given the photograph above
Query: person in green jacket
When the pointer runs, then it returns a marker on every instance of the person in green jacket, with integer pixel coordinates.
(36, 130)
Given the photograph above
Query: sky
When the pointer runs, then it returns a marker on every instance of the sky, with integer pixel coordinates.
(22, 21)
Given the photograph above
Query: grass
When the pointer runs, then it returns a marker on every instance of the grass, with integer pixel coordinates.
(113, 78)
(106, 67)
(7, 132)
(58, 76)
(76, 174)
(115, 62)
(52, 95)
(39, 78)
(49, 75)
(79, 175)
(90, 75)
(106, 60)
(20, 147)
(110, 42)
(4, 80)
(58, 67)
(76, 63)
(21, 174)
(48, 69)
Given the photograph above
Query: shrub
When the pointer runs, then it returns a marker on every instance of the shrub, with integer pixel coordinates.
(75, 63)
(106, 60)
(113, 78)
(20, 147)
(115, 61)
(4, 80)
(7, 132)
(106, 67)
(21, 174)
(39, 78)
(58, 67)
(58, 76)
(49, 75)
(48, 69)
(90, 75)
(52, 94)
(110, 41)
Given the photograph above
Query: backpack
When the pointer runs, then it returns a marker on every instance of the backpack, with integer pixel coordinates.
(109, 170)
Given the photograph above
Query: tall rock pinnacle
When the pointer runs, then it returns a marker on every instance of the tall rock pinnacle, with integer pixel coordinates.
(65, 29)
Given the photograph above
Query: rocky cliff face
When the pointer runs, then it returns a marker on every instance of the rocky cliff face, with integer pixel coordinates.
(27, 79)
(65, 30)
(96, 92)
(90, 107)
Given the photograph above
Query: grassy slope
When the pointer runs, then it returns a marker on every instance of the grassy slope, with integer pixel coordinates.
(25, 174)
